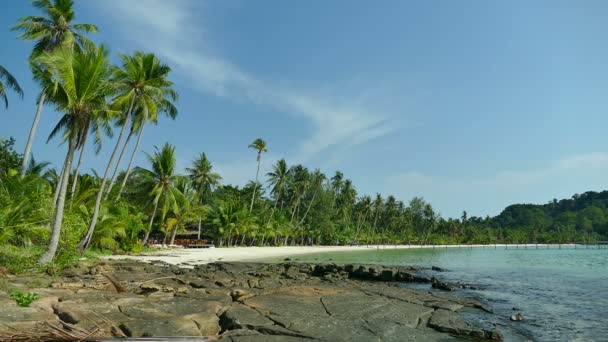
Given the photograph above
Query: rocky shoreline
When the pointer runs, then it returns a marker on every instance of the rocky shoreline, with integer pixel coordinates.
(239, 301)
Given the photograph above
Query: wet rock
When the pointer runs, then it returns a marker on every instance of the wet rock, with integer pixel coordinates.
(446, 305)
(447, 321)
(438, 269)
(387, 275)
(442, 285)
(517, 317)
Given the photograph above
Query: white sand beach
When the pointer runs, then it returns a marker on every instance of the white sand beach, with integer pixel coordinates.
(189, 257)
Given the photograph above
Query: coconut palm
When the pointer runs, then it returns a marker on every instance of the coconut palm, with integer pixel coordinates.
(316, 183)
(100, 126)
(204, 180)
(50, 31)
(7, 81)
(81, 86)
(35, 168)
(260, 146)
(187, 209)
(143, 87)
(160, 179)
(378, 206)
(299, 183)
(144, 84)
(278, 180)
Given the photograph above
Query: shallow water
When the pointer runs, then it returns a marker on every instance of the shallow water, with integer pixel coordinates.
(563, 293)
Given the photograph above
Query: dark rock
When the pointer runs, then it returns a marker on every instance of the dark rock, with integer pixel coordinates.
(387, 275)
(438, 269)
(438, 284)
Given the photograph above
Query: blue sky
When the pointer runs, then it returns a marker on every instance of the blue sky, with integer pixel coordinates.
(473, 105)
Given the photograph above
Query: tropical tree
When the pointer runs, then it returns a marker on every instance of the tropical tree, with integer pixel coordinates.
(278, 178)
(142, 86)
(187, 209)
(260, 146)
(146, 90)
(35, 168)
(7, 81)
(317, 179)
(204, 181)
(50, 31)
(160, 179)
(81, 87)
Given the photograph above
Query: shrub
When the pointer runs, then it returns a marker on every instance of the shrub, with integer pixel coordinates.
(24, 299)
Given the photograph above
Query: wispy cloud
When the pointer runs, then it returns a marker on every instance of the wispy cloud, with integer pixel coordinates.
(174, 28)
(486, 196)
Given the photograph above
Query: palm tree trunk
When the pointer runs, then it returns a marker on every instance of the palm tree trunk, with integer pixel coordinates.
(150, 225)
(124, 180)
(115, 174)
(199, 228)
(84, 244)
(274, 207)
(295, 207)
(309, 205)
(75, 180)
(30, 139)
(173, 235)
(255, 185)
(62, 177)
(56, 232)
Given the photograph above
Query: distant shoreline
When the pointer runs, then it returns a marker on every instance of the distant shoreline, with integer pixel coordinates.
(187, 257)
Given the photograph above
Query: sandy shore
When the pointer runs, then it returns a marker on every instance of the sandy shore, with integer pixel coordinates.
(196, 256)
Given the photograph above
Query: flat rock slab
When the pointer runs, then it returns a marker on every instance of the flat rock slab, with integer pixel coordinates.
(247, 302)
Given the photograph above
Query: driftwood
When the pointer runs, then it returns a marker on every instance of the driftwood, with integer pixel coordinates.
(62, 331)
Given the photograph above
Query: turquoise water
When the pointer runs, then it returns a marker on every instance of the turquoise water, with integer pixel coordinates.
(563, 293)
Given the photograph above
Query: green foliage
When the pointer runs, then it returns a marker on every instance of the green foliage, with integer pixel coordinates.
(20, 259)
(24, 299)
(9, 159)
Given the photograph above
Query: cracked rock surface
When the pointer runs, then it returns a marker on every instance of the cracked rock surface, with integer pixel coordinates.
(247, 302)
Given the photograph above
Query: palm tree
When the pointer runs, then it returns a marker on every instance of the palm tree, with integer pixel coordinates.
(317, 181)
(143, 81)
(143, 87)
(8, 81)
(259, 145)
(278, 180)
(160, 179)
(378, 206)
(100, 125)
(81, 86)
(49, 31)
(188, 207)
(204, 180)
(300, 180)
(35, 168)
